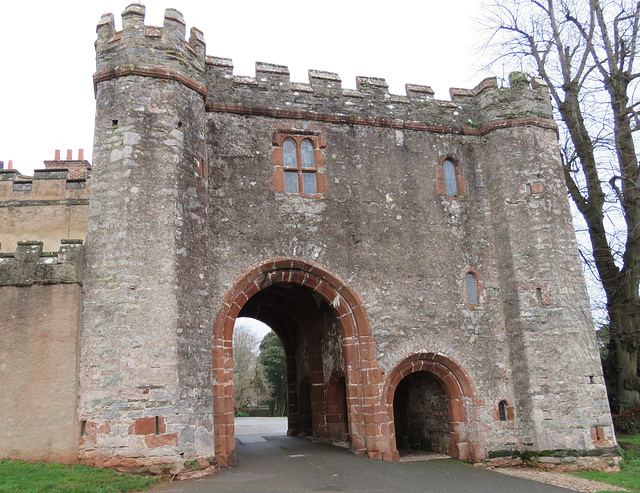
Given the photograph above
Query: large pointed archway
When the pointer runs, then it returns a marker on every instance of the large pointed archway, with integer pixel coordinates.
(368, 420)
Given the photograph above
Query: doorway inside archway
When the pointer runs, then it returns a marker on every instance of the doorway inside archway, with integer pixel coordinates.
(310, 333)
(421, 414)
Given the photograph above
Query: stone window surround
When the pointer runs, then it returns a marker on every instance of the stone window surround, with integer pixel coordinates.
(441, 188)
(480, 293)
(277, 159)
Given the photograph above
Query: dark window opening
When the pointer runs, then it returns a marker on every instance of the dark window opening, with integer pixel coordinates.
(83, 429)
(502, 410)
(114, 123)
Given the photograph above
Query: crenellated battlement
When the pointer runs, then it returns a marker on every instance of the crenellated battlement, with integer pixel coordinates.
(163, 52)
(149, 51)
(272, 93)
(29, 265)
(46, 185)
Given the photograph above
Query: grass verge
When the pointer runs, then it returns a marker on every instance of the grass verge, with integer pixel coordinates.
(629, 476)
(23, 477)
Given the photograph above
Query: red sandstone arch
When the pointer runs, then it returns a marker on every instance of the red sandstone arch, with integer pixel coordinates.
(461, 398)
(362, 372)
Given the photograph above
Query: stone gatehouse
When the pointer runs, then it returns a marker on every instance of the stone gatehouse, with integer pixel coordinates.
(416, 258)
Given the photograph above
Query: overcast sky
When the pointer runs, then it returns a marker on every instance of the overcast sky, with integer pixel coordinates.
(47, 55)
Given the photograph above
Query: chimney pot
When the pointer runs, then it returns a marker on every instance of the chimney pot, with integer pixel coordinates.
(10, 164)
(57, 158)
(69, 155)
(80, 154)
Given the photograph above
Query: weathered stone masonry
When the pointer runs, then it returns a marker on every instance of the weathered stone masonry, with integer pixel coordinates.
(434, 239)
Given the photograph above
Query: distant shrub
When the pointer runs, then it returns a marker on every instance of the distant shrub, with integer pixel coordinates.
(627, 422)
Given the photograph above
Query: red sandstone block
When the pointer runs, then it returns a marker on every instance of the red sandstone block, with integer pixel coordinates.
(159, 440)
(350, 296)
(332, 280)
(147, 426)
(326, 291)
(537, 188)
(362, 321)
(374, 454)
(456, 410)
(374, 376)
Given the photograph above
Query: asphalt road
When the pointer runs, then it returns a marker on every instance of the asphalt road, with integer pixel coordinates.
(294, 464)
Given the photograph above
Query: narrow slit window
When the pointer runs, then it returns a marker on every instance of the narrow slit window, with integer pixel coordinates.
(450, 178)
(502, 410)
(539, 296)
(472, 291)
(306, 152)
(289, 154)
(157, 432)
(291, 182)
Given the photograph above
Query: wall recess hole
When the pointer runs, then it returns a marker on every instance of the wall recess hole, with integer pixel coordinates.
(179, 124)
(157, 425)
(592, 379)
(528, 188)
(83, 428)
(114, 123)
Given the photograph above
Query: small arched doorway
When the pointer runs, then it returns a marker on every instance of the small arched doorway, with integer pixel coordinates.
(421, 414)
(322, 325)
(439, 383)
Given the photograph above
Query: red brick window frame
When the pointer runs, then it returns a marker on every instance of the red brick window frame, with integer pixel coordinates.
(448, 170)
(473, 288)
(298, 160)
(504, 412)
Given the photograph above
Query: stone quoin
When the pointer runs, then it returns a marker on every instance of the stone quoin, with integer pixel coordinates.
(416, 258)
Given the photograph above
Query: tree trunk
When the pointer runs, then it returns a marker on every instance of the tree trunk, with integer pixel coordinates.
(621, 364)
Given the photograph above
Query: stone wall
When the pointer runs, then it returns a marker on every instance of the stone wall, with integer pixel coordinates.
(41, 301)
(50, 206)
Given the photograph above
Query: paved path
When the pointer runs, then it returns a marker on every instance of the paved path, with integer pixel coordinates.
(292, 464)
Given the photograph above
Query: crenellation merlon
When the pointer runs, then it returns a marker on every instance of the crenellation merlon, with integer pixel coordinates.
(153, 47)
(29, 265)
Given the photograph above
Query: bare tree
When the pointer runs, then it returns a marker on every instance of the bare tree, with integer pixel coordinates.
(250, 384)
(586, 51)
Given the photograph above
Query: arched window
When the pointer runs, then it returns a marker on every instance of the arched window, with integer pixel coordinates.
(306, 152)
(289, 153)
(300, 163)
(502, 410)
(472, 289)
(450, 178)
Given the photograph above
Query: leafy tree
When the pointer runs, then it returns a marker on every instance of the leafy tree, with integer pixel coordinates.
(586, 52)
(273, 360)
(250, 385)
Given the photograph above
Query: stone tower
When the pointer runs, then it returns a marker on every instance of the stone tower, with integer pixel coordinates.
(416, 258)
(146, 297)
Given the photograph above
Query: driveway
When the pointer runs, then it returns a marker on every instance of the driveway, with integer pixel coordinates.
(269, 461)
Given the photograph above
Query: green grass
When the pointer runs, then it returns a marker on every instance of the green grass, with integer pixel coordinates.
(629, 476)
(22, 477)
